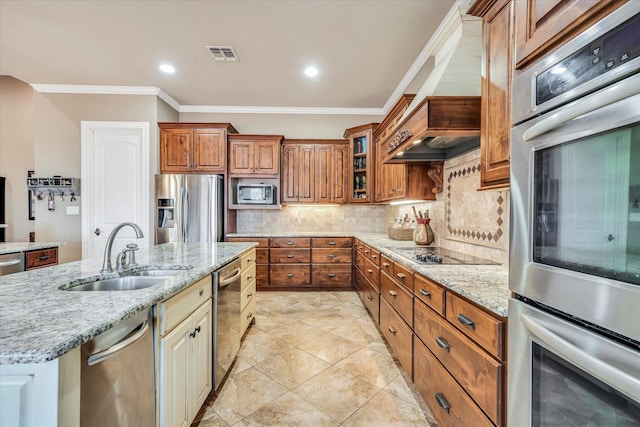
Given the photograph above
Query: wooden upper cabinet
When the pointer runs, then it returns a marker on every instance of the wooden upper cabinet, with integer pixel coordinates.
(313, 171)
(361, 163)
(254, 155)
(543, 25)
(193, 147)
(497, 68)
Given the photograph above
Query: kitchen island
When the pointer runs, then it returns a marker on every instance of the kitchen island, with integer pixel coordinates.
(42, 325)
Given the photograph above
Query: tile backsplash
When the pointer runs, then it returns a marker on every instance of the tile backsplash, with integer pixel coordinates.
(462, 218)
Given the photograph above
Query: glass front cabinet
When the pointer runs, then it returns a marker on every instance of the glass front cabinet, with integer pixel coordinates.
(361, 163)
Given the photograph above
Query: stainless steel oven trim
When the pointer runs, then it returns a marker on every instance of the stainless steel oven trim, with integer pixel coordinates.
(601, 301)
(524, 83)
(606, 360)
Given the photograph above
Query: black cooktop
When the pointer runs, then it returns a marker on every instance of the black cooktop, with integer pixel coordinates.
(437, 255)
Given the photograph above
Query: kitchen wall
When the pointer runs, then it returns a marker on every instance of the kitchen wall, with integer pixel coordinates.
(16, 154)
(462, 218)
(292, 126)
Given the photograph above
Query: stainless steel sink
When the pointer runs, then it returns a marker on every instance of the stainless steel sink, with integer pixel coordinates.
(125, 283)
(157, 273)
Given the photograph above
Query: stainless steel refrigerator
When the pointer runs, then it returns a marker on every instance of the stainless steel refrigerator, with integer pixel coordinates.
(189, 208)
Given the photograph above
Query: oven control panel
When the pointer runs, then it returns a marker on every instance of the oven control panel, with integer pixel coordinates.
(612, 50)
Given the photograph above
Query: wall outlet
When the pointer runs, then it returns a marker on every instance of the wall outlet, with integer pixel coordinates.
(73, 210)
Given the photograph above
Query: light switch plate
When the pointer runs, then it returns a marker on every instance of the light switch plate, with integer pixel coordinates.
(73, 210)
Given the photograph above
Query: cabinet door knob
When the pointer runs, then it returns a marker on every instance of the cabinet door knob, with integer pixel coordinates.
(97, 231)
(200, 292)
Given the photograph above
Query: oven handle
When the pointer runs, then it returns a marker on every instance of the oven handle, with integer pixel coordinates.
(600, 369)
(610, 95)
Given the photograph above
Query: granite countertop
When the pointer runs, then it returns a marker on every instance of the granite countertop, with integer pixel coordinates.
(39, 322)
(486, 285)
(11, 247)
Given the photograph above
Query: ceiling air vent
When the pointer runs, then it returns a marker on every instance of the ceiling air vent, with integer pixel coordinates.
(223, 53)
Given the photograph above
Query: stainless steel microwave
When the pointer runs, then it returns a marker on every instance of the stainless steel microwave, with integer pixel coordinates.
(256, 194)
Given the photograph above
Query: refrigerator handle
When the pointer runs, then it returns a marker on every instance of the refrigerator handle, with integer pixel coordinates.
(185, 215)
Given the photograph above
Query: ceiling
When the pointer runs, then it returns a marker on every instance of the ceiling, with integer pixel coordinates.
(362, 48)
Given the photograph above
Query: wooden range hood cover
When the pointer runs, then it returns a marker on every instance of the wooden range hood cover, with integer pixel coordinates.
(440, 127)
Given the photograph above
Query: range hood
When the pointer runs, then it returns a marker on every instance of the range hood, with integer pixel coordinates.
(439, 128)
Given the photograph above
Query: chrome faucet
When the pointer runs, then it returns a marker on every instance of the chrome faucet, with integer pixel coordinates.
(106, 264)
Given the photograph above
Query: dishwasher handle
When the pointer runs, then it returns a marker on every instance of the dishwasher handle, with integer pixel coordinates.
(131, 339)
(10, 262)
(229, 280)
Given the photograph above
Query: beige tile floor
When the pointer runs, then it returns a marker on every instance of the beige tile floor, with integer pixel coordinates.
(314, 359)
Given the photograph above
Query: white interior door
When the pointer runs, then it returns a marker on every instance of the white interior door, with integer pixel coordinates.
(115, 184)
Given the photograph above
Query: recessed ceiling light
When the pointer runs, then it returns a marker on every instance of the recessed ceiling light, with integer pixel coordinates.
(311, 71)
(167, 68)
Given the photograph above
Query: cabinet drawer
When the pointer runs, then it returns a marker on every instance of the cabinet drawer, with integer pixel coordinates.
(329, 255)
(372, 301)
(439, 391)
(359, 245)
(289, 242)
(477, 324)
(248, 276)
(247, 294)
(360, 261)
(403, 275)
(262, 256)
(177, 308)
(290, 275)
(290, 256)
(331, 242)
(40, 258)
(398, 335)
(372, 272)
(367, 251)
(262, 275)
(338, 275)
(386, 264)
(477, 372)
(429, 292)
(247, 259)
(375, 257)
(398, 297)
(247, 315)
(263, 242)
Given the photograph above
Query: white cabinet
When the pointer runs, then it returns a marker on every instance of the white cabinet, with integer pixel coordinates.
(248, 289)
(186, 354)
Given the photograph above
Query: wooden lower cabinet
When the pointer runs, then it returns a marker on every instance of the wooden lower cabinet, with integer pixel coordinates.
(477, 372)
(331, 275)
(290, 275)
(448, 402)
(371, 299)
(40, 258)
(398, 297)
(398, 335)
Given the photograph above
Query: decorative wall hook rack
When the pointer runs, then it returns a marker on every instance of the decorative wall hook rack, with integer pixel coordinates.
(61, 186)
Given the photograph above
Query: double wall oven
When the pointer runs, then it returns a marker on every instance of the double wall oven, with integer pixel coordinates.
(574, 320)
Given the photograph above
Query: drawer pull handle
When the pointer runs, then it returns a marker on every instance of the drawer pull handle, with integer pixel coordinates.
(401, 276)
(200, 292)
(385, 264)
(393, 293)
(289, 255)
(250, 295)
(393, 331)
(366, 252)
(331, 274)
(370, 271)
(466, 321)
(425, 293)
(442, 402)
(369, 297)
(332, 255)
(290, 243)
(192, 334)
(289, 274)
(249, 316)
(332, 243)
(249, 277)
(442, 343)
(44, 257)
(374, 256)
(249, 260)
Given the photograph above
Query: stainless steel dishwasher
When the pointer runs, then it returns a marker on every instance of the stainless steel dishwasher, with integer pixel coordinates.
(117, 376)
(226, 322)
(11, 263)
